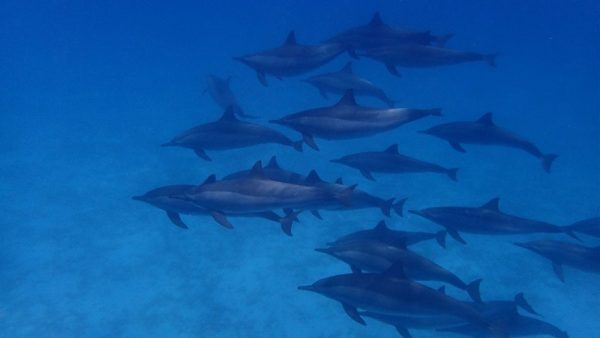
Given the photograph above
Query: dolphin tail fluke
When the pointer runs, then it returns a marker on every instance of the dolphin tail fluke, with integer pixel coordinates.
(399, 207)
(440, 237)
(403, 331)
(490, 59)
(345, 196)
(297, 145)
(386, 207)
(547, 161)
(442, 40)
(288, 220)
(452, 174)
(523, 304)
(473, 290)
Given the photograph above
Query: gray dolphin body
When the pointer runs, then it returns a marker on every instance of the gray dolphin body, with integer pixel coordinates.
(376, 34)
(485, 220)
(339, 82)
(220, 91)
(290, 58)
(374, 256)
(346, 120)
(485, 132)
(360, 199)
(563, 253)
(590, 227)
(420, 56)
(391, 161)
(171, 199)
(381, 233)
(228, 133)
(257, 193)
(516, 326)
(392, 293)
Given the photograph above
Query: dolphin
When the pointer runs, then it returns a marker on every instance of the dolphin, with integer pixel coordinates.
(374, 256)
(220, 91)
(228, 133)
(590, 227)
(170, 199)
(484, 131)
(360, 199)
(257, 193)
(381, 233)
(486, 220)
(392, 293)
(391, 161)
(339, 82)
(291, 58)
(346, 120)
(563, 253)
(494, 308)
(422, 56)
(376, 34)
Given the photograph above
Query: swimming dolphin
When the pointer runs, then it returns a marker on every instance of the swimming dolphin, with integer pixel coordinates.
(171, 199)
(373, 256)
(220, 91)
(419, 56)
(486, 220)
(258, 193)
(228, 133)
(360, 199)
(290, 59)
(376, 34)
(563, 253)
(391, 161)
(590, 227)
(484, 131)
(346, 120)
(381, 233)
(339, 82)
(494, 308)
(393, 294)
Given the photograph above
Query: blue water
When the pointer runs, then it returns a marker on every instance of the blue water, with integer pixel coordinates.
(89, 90)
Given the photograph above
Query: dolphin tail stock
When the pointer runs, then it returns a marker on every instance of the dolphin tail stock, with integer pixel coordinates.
(524, 304)
(473, 290)
(490, 59)
(399, 207)
(547, 161)
(386, 207)
(452, 174)
(440, 238)
(345, 196)
(443, 39)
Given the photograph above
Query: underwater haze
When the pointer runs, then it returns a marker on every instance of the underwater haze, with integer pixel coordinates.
(91, 90)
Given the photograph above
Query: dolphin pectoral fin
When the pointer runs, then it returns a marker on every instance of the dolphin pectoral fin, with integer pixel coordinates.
(262, 79)
(392, 69)
(200, 153)
(524, 304)
(176, 219)
(308, 139)
(558, 270)
(457, 146)
(323, 93)
(352, 313)
(440, 238)
(454, 234)
(355, 269)
(367, 174)
(316, 214)
(221, 219)
(547, 161)
(403, 331)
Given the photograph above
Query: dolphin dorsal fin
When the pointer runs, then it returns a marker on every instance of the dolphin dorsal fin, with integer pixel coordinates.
(273, 163)
(229, 114)
(347, 68)
(395, 271)
(291, 39)
(210, 179)
(486, 119)
(393, 149)
(376, 20)
(347, 99)
(339, 181)
(381, 226)
(313, 178)
(257, 171)
(492, 204)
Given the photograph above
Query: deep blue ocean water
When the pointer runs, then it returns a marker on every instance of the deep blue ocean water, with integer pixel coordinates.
(89, 90)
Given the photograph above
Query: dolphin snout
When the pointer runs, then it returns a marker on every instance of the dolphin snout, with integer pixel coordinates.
(168, 144)
(307, 288)
(324, 250)
(417, 212)
(276, 121)
(339, 160)
(139, 198)
(522, 245)
(426, 131)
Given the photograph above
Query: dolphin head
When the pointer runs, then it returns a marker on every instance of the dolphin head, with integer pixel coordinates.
(142, 198)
